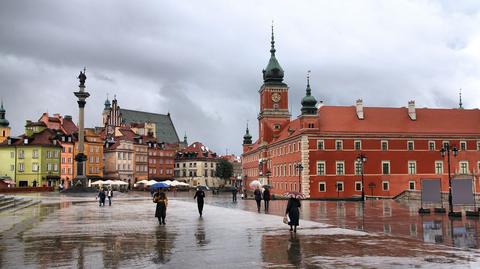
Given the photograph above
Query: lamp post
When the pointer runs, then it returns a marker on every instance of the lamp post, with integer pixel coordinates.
(299, 166)
(362, 159)
(446, 151)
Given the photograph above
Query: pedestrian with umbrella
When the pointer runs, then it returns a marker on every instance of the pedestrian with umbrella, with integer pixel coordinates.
(162, 202)
(199, 195)
(293, 209)
(258, 197)
(266, 197)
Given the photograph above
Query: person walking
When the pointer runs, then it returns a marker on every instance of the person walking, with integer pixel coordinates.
(258, 197)
(110, 196)
(234, 194)
(199, 195)
(266, 198)
(162, 202)
(101, 197)
(293, 213)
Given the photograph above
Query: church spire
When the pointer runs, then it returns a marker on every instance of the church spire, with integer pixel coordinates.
(273, 73)
(247, 138)
(3, 122)
(460, 105)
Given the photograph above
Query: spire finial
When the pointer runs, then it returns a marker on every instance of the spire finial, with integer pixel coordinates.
(309, 91)
(460, 105)
(247, 126)
(2, 103)
(272, 50)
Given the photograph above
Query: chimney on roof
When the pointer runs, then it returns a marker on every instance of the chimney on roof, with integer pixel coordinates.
(359, 107)
(411, 110)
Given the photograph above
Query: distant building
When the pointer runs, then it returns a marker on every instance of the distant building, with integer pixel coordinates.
(161, 158)
(33, 159)
(119, 155)
(196, 165)
(159, 126)
(236, 179)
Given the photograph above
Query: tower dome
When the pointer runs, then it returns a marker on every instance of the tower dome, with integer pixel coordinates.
(3, 121)
(309, 102)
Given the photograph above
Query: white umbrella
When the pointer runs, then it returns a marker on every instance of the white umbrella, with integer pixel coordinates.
(254, 184)
(142, 182)
(151, 182)
(98, 182)
(119, 182)
(108, 182)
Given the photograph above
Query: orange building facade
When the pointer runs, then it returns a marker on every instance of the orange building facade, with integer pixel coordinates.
(317, 153)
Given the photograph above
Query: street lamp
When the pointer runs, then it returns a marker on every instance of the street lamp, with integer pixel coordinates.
(446, 151)
(362, 159)
(268, 173)
(299, 166)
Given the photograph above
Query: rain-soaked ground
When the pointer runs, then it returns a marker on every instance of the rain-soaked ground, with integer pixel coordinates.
(68, 232)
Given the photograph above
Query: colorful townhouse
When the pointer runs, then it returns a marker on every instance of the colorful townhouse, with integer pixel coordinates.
(66, 130)
(161, 160)
(94, 151)
(33, 159)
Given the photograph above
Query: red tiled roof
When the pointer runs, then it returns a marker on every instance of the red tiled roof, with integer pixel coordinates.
(43, 138)
(199, 148)
(69, 126)
(343, 119)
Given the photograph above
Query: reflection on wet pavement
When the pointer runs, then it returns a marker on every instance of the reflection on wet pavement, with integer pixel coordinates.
(126, 235)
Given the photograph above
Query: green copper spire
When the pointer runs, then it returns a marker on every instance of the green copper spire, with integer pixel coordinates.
(3, 122)
(309, 103)
(107, 103)
(247, 138)
(273, 73)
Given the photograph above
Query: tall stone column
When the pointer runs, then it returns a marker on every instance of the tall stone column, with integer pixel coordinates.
(80, 158)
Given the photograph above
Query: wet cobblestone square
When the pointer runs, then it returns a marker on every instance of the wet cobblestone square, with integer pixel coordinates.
(79, 234)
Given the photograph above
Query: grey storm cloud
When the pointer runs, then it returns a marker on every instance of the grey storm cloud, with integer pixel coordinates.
(202, 60)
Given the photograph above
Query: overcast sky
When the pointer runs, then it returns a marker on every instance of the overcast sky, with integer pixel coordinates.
(202, 60)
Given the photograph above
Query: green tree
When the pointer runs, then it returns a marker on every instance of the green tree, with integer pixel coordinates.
(224, 170)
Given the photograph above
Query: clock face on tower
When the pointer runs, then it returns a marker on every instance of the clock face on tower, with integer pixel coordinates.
(276, 97)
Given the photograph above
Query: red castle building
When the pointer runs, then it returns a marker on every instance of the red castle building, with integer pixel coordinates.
(318, 152)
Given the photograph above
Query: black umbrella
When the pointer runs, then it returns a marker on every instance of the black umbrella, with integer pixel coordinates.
(267, 186)
(203, 187)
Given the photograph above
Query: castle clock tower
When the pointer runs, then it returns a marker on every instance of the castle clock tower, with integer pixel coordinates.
(274, 114)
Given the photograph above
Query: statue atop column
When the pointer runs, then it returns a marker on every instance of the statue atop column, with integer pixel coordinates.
(82, 77)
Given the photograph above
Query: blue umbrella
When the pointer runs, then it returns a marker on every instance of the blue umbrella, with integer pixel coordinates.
(159, 185)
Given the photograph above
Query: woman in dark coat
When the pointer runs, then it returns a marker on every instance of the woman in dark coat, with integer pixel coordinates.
(162, 202)
(258, 198)
(293, 212)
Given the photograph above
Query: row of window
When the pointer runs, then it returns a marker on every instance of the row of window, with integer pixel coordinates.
(193, 173)
(21, 154)
(285, 149)
(51, 167)
(167, 171)
(161, 153)
(140, 158)
(160, 161)
(141, 168)
(69, 171)
(290, 169)
(410, 145)
(177, 165)
(124, 155)
(385, 167)
(339, 186)
(94, 170)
